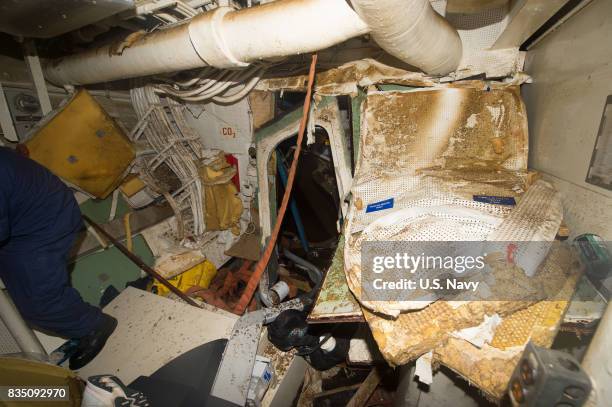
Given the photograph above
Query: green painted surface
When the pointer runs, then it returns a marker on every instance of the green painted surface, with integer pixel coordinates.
(92, 274)
(396, 88)
(99, 210)
(335, 299)
(286, 120)
(272, 188)
(278, 125)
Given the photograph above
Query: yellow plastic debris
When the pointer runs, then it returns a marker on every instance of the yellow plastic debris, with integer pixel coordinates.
(223, 206)
(200, 275)
(132, 185)
(82, 144)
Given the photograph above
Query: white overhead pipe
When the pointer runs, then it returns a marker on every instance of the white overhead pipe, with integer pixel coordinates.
(223, 38)
(412, 31)
(228, 38)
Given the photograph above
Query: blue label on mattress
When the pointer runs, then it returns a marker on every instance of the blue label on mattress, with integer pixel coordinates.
(380, 206)
(495, 200)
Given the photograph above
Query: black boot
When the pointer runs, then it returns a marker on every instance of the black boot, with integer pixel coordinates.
(90, 345)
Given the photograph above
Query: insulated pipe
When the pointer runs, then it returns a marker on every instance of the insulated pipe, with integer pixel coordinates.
(159, 52)
(223, 38)
(226, 38)
(413, 32)
(289, 27)
(315, 274)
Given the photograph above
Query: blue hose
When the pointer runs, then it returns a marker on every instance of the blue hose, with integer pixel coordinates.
(282, 171)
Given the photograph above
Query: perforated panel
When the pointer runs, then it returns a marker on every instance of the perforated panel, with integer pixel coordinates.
(7, 342)
(478, 31)
(444, 143)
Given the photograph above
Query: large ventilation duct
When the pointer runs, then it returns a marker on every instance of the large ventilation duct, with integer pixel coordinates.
(413, 32)
(227, 38)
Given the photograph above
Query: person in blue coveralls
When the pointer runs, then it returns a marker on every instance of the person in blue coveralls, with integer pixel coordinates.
(39, 220)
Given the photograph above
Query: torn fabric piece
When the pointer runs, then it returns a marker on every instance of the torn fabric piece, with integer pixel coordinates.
(481, 334)
(423, 369)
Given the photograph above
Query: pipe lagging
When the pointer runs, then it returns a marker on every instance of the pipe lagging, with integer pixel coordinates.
(226, 38)
(412, 31)
(223, 38)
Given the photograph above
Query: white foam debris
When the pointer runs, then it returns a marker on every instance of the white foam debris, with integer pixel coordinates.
(423, 368)
(481, 334)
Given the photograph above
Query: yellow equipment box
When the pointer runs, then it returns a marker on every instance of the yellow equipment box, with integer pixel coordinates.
(83, 145)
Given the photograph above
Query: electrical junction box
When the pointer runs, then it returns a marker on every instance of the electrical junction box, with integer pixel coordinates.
(24, 109)
(548, 378)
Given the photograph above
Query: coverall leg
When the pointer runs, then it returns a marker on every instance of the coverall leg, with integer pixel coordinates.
(39, 285)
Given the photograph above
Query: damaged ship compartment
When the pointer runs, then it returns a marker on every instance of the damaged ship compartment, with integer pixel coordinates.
(306, 203)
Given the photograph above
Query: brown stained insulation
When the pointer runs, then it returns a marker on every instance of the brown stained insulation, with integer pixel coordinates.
(455, 142)
(431, 143)
(444, 129)
(348, 78)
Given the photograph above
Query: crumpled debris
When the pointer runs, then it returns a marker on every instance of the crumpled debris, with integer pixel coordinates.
(423, 369)
(481, 334)
(444, 147)
(223, 207)
(347, 79)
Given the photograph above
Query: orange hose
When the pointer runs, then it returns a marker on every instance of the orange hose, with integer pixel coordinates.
(263, 262)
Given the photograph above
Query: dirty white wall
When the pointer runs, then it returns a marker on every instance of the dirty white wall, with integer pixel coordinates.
(572, 77)
(225, 127)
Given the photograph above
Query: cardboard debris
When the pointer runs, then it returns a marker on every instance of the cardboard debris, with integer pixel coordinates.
(177, 260)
